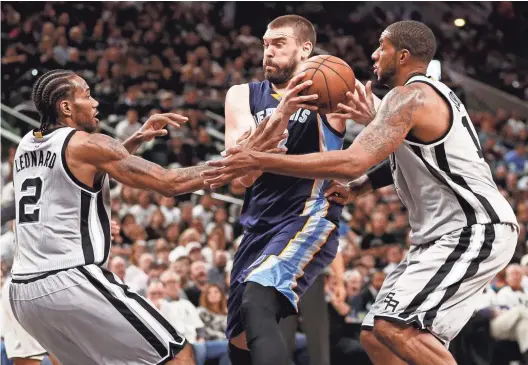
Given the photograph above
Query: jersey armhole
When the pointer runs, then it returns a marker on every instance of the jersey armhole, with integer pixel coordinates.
(329, 126)
(67, 170)
(411, 139)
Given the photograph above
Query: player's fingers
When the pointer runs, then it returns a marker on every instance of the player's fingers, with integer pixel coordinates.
(337, 199)
(176, 117)
(305, 98)
(295, 80)
(272, 142)
(361, 93)
(216, 163)
(277, 150)
(244, 136)
(311, 107)
(297, 89)
(344, 108)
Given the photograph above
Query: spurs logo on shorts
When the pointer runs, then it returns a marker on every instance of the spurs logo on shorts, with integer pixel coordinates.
(390, 302)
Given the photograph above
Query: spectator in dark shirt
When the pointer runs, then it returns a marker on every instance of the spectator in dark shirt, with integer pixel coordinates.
(377, 240)
(199, 282)
(364, 300)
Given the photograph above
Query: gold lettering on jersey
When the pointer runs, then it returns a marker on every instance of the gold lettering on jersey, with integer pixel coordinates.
(35, 159)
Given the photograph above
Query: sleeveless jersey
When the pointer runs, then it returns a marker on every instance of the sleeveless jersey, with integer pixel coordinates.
(274, 198)
(446, 184)
(60, 222)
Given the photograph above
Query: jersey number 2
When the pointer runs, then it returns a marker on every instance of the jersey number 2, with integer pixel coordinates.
(28, 202)
(473, 137)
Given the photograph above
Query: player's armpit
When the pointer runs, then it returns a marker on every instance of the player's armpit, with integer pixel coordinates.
(109, 155)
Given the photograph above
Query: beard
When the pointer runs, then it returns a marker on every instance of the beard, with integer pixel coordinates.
(389, 74)
(87, 123)
(281, 74)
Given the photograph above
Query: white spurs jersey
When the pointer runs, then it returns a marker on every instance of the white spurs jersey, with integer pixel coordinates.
(60, 222)
(446, 184)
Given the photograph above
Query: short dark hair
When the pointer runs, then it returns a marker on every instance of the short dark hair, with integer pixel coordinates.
(302, 27)
(414, 36)
(51, 87)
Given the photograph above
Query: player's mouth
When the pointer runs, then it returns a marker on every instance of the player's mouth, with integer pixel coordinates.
(95, 115)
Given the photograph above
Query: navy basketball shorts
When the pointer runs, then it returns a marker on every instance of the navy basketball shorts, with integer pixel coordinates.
(288, 257)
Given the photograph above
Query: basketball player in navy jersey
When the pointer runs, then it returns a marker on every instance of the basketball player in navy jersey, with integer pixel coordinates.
(290, 227)
(463, 231)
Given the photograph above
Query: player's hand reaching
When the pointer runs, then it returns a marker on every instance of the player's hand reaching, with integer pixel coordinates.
(239, 160)
(342, 194)
(291, 101)
(155, 125)
(359, 106)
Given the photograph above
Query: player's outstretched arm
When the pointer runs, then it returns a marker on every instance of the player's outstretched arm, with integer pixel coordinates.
(108, 155)
(396, 116)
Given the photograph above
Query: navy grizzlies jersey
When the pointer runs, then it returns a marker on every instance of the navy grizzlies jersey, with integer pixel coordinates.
(274, 198)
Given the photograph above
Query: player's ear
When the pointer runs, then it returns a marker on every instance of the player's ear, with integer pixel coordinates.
(65, 107)
(307, 49)
(405, 55)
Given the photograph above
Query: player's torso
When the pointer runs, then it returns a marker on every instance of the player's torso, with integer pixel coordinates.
(447, 184)
(60, 222)
(274, 198)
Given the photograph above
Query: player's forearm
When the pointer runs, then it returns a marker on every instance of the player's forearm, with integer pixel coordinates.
(333, 165)
(185, 180)
(133, 143)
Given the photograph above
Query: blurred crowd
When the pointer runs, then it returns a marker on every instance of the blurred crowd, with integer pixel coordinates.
(141, 58)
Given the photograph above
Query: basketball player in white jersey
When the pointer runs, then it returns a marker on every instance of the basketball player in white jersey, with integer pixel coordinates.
(463, 231)
(61, 293)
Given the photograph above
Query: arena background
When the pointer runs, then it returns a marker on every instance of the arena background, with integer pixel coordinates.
(145, 57)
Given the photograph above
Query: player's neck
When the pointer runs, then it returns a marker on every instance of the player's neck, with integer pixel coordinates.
(403, 77)
(279, 88)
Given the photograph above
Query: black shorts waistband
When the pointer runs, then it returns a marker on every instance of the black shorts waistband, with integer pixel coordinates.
(40, 277)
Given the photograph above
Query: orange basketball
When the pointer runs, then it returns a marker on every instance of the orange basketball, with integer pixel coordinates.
(332, 79)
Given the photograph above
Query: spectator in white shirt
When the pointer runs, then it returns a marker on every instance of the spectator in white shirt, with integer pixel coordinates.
(128, 126)
(181, 314)
(143, 211)
(172, 283)
(511, 317)
(117, 265)
(136, 277)
(172, 214)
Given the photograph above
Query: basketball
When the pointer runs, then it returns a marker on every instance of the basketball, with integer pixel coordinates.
(332, 79)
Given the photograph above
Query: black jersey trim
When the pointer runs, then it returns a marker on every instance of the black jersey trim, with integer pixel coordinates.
(443, 164)
(484, 253)
(86, 241)
(444, 270)
(123, 309)
(411, 138)
(105, 223)
(67, 169)
(468, 210)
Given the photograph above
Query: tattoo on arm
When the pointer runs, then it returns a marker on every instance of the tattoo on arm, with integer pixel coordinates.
(393, 120)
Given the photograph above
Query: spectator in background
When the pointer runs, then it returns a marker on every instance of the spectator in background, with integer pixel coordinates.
(220, 220)
(156, 227)
(172, 283)
(204, 210)
(213, 313)
(198, 282)
(217, 274)
(364, 300)
(137, 277)
(516, 159)
(128, 126)
(181, 314)
(510, 320)
(377, 240)
(117, 265)
(393, 258)
(144, 209)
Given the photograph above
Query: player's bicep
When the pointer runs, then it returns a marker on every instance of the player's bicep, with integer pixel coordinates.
(238, 116)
